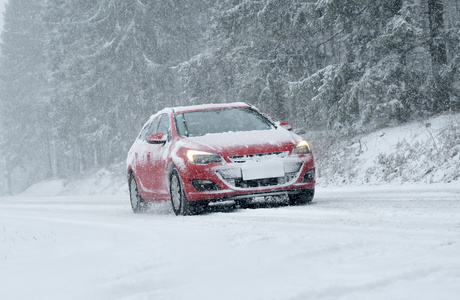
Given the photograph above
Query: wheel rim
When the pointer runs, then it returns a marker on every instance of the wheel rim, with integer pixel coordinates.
(134, 195)
(175, 192)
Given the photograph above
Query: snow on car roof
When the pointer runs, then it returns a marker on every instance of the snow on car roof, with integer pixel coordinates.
(181, 109)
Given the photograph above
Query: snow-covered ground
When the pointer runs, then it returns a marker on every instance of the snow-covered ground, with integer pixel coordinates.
(385, 242)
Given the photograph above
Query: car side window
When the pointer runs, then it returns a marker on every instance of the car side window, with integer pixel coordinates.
(150, 129)
(144, 132)
(164, 126)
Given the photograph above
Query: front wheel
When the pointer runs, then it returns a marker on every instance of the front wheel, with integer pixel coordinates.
(137, 203)
(179, 202)
(302, 198)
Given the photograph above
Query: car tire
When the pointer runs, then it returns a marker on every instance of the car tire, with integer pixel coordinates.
(179, 202)
(137, 203)
(302, 198)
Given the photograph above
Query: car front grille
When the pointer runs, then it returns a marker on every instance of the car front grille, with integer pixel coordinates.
(233, 177)
(257, 157)
(240, 183)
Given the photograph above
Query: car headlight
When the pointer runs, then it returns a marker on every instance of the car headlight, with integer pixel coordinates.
(302, 148)
(202, 158)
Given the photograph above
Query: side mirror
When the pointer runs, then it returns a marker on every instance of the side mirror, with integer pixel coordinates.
(156, 138)
(286, 125)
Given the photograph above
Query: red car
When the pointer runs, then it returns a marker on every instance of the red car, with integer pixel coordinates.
(199, 154)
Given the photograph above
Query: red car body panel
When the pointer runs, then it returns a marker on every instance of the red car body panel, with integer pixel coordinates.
(151, 164)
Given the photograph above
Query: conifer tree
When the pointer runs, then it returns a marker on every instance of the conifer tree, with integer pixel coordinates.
(24, 97)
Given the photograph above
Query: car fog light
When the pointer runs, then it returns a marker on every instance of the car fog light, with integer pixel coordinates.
(309, 176)
(204, 185)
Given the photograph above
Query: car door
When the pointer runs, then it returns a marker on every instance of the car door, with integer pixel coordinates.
(157, 160)
(142, 157)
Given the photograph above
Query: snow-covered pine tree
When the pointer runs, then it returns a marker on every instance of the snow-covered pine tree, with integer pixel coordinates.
(452, 39)
(24, 99)
(254, 49)
(100, 55)
(112, 65)
(378, 75)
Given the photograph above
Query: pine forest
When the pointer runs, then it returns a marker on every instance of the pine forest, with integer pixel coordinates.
(78, 78)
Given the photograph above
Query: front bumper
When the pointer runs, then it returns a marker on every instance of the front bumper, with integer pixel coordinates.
(226, 181)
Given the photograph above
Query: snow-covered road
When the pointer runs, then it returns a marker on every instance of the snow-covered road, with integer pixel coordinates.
(363, 243)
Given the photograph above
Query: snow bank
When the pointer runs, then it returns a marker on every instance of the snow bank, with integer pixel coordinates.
(46, 188)
(110, 181)
(419, 152)
(107, 181)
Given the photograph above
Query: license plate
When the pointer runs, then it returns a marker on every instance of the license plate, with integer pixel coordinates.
(264, 169)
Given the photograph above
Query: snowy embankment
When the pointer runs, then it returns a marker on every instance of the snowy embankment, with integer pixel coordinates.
(419, 152)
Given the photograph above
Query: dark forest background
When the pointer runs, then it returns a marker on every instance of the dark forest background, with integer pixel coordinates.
(79, 77)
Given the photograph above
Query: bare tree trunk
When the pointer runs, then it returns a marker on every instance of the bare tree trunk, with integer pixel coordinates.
(437, 44)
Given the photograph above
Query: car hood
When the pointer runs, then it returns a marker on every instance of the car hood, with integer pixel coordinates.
(245, 143)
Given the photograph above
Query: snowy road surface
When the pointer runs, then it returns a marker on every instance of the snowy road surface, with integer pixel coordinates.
(363, 243)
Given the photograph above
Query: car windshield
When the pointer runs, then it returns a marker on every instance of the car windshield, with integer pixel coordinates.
(198, 123)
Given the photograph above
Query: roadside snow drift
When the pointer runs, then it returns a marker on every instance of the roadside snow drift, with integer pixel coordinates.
(419, 152)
